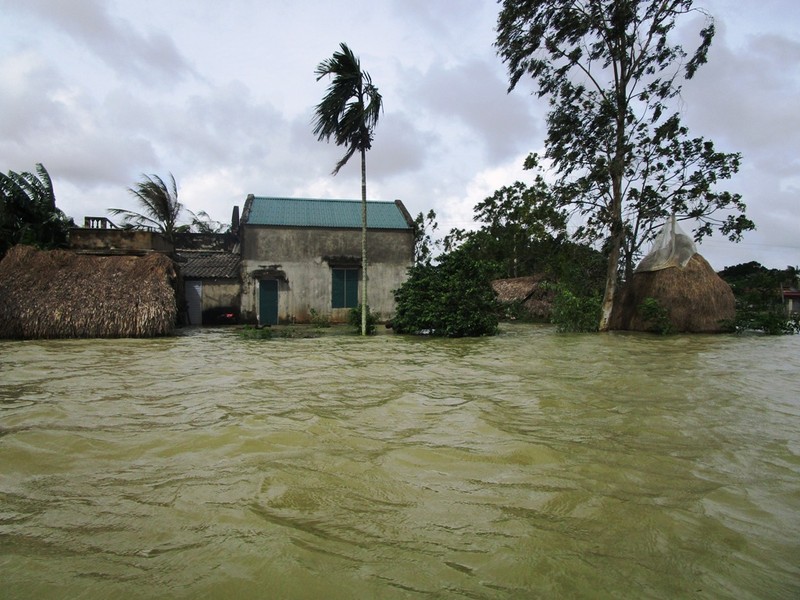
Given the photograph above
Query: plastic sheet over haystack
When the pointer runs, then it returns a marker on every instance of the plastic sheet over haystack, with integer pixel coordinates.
(671, 248)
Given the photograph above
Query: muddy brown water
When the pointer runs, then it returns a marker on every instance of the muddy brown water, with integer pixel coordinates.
(528, 465)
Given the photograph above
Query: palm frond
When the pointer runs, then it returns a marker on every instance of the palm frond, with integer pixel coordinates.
(351, 107)
(159, 201)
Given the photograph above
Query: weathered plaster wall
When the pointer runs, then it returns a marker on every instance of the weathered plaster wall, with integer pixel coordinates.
(219, 293)
(301, 260)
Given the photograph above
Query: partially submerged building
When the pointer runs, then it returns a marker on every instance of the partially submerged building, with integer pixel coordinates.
(287, 259)
(301, 255)
(210, 268)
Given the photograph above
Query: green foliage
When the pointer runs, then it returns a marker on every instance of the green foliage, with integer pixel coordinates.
(319, 320)
(770, 321)
(354, 319)
(657, 315)
(759, 303)
(249, 332)
(575, 313)
(28, 213)
(351, 107)
(516, 221)
(160, 206)
(523, 233)
(624, 162)
(424, 244)
(453, 298)
(349, 113)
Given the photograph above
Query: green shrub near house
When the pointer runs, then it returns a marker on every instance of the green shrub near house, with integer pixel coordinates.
(453, 298)
(354, 319)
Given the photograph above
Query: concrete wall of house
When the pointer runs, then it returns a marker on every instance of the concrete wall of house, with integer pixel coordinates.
(220, 293)
(301, 259)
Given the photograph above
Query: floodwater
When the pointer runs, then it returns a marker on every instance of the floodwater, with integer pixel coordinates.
(528, 465)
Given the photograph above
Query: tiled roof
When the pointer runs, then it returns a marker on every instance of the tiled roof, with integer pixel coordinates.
(209, 265)
(309, 212)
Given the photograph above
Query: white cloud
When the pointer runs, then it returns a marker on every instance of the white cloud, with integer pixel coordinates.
(222, 94)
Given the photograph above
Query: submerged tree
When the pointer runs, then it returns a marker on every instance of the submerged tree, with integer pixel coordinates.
(451, 298)
(28, 213)
(624, 160)
(160, 206)
(349, 113)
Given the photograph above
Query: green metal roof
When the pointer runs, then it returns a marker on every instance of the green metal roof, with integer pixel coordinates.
(310, 212)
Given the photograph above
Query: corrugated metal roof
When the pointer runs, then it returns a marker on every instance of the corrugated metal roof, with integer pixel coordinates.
(310, 212)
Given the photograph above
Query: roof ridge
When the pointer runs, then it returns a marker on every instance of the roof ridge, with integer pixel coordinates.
(321, 199)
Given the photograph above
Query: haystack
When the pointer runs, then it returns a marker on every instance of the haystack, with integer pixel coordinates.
(534, 299)
(696, 299)
(61, 294)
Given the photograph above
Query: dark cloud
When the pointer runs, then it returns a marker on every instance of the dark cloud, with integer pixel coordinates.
(474, 94)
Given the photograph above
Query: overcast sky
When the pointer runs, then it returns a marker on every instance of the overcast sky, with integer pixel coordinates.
(221, 94)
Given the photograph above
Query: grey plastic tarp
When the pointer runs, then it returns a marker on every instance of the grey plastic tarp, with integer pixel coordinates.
(671, 248)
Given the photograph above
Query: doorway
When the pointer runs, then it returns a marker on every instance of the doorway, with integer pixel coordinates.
(268, 302)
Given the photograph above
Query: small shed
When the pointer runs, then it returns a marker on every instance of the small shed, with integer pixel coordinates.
(211, 285)
(63, 294)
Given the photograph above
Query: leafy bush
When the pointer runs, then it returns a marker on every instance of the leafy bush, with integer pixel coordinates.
(354, 319)
(453, 298)
(574, 313)
(759, 305)
(769, 320)
(318, 319)
(658, 316)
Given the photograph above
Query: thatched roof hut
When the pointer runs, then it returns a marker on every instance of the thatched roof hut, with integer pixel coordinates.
(62, 294)
(533, 299)
(696, 299)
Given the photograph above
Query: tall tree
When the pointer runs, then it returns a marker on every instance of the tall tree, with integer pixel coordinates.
(28, 213)
(349, 113)
(424, 244)
(624, 160)
(517, 218)
(160, 205)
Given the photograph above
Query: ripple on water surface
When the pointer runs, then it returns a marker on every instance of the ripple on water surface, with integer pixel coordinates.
(527, 464)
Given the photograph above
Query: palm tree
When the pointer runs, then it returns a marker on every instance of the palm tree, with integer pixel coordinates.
(28, 213)
(349, 113)
(160, 205)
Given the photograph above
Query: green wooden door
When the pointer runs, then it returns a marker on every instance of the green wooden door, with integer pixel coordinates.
(268, 302)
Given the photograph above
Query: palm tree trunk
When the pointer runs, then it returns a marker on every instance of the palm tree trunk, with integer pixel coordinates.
(363, 242)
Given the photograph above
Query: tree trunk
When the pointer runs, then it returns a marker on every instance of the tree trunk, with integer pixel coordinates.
(617, 235)
(363, 242)
(617, 173)
(611, 282)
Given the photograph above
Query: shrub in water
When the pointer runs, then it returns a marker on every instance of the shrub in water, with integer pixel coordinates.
(573, 313)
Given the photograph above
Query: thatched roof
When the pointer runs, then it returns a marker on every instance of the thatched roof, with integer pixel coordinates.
(533, 298)
(696, 298)
(61, 294)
